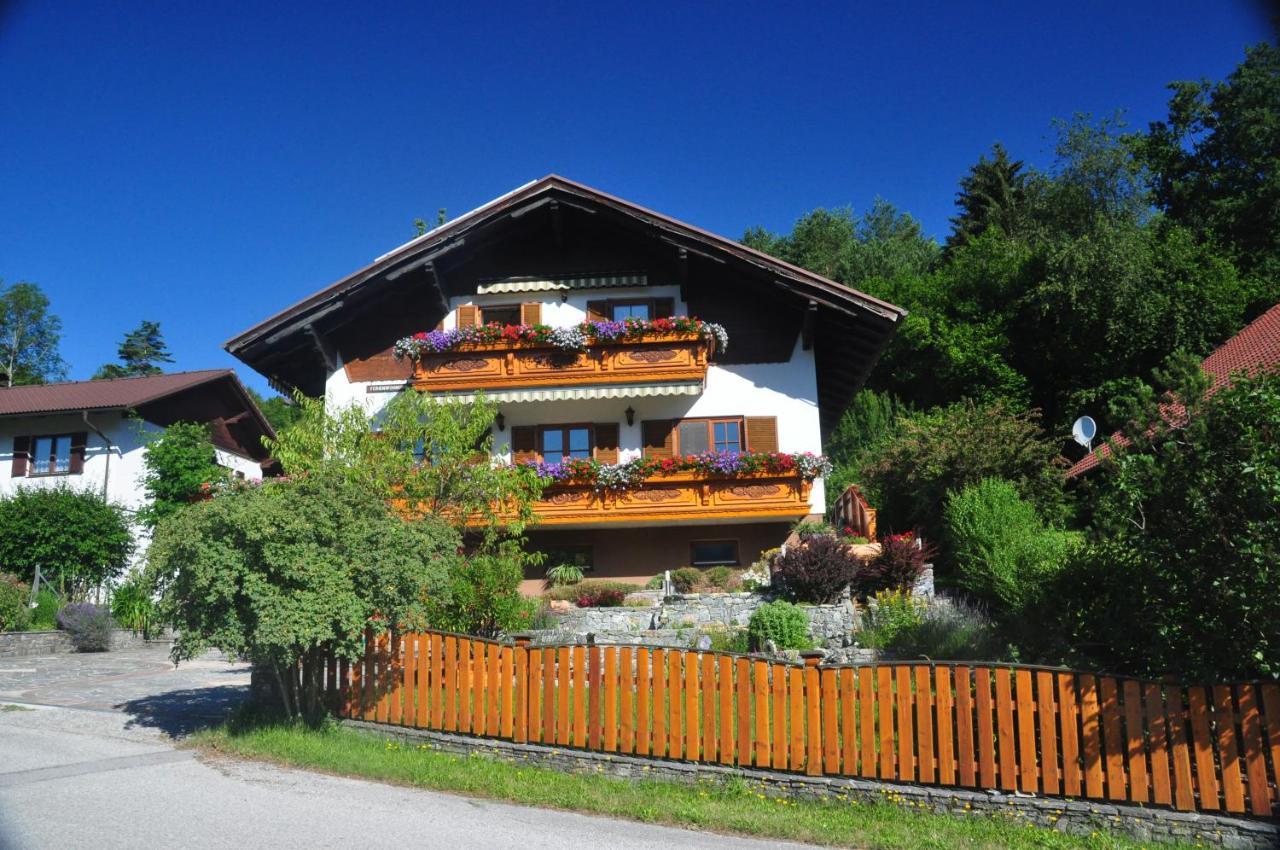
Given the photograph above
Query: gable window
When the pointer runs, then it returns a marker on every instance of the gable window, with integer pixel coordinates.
(699, 435)
(51, 455)
(713, 553)
(631, 310)
(563, 442)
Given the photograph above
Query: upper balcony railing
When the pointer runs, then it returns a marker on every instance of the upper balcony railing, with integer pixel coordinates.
(594, 353)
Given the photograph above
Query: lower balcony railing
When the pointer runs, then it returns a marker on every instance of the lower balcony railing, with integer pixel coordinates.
(681, 496)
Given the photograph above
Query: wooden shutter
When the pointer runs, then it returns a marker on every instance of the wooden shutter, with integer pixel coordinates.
(598, 311)
(656, 435)
(21, 453)
(607, 442)
(468, 316)
(664, 308)
(762, 433)
(524, 443)
(78, 442)
(531, 314)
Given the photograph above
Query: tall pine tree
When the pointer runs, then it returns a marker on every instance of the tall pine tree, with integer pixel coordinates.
(142, 348)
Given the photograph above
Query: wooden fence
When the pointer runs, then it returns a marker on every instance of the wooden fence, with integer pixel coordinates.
(1008, 727)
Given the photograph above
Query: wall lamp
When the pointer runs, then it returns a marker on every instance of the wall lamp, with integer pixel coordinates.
(501, 420)
(631, 415)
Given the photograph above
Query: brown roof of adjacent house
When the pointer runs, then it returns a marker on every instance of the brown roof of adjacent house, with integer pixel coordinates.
(1254, 349)
(112, 394)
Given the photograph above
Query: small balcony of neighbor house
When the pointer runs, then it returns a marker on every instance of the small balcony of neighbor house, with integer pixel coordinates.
(630, 357)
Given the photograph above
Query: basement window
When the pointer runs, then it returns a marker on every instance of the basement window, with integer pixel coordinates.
(713, 553)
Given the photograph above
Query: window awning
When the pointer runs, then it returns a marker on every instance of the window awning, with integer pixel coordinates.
(563, 393)
(521, 284)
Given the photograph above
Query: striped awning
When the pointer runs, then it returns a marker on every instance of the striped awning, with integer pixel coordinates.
(522, 284)
(563, 393)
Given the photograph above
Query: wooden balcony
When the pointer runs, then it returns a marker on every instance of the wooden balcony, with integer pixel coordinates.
(682, 496)
(664, 358)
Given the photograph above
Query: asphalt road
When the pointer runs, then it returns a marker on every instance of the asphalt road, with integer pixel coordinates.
(89, 761)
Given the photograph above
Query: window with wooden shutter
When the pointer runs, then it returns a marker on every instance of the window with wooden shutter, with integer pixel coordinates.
(656, 434)
(597, 311)
(762, 433)
(21, 448)
(664, 308)
(531, 314)
(607, 442)
(501, 314)
(78, 442)
(468, 316)
(524, 443)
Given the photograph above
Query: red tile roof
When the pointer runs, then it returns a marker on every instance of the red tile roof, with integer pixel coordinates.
(117, 393)
(1254, 349)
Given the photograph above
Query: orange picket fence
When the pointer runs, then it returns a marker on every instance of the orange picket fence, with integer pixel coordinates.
(1009, 727)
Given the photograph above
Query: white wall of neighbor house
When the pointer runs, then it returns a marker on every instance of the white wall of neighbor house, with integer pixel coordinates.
(788, 391)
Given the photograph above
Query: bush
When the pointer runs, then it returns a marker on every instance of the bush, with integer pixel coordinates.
(889, 613)
(132, 605)
(599, 597)
(562, 575)
(88, 625)
(897, 567)
(180, 461)
(655, 583)
(78, 540)
(570, 593)
(817, 570)
(785, 624)
(718, 577)
(805, 530)
(483, 597)
(44, 617)
(686, 579)
(943, 631)
(14, 613)
(1002, 552)
(729, 640)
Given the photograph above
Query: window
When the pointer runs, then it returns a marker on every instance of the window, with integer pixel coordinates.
(700, 435)
(712, 553)
(51, 455)
(631, 310)
(562, 442)
(581, 556)
(501, 314)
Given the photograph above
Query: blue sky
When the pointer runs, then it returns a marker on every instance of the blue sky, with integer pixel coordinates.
(205, 165)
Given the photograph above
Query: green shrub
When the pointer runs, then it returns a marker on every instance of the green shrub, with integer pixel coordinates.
(729, 640)
(78, 540)
(14, 613)
(890, 613)
(44, 617)
(804, 529)
(949, 631)
(817, 570)
(655, 583)
(718, 577)
(1001, 549)
(484, 596)
(180, 462)
(570, 593)
(686, 579)
(562, 575)
(785, 624)
(88, 625)
(132, 605)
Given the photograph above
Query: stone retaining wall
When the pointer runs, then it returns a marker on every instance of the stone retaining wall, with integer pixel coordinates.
(26, 644)
(1073, 816)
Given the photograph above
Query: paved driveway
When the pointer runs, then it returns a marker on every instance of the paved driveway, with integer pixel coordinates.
(87, 760)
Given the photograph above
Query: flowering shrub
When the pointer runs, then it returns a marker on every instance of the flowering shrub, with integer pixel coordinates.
(89, 626)
(600, 597)
(618, 477)
(573, 338)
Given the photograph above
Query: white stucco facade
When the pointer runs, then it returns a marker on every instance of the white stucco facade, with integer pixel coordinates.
(786, 390)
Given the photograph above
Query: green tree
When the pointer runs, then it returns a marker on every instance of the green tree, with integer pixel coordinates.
(281, 412)
(1184, 558)
(992, 195)
(1216, 159)
(287, 571)
(139, 352)
(78, 540)
(29, 336)
(180, 463)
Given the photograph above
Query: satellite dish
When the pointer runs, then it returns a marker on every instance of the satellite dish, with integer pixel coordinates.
(1084, 430)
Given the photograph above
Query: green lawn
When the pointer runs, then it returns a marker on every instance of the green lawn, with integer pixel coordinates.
(737, 808)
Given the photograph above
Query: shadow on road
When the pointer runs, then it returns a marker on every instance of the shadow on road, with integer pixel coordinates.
(181, 712)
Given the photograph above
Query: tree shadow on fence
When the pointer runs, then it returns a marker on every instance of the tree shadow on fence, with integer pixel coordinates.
(181, 712)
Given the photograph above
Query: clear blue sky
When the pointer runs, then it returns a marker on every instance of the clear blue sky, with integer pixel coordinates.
(204, 165)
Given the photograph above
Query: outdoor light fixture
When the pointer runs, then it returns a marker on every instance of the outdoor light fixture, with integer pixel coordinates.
(501, 420)
(631, 415)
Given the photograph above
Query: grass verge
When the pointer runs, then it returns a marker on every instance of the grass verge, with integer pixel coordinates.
(731, 808)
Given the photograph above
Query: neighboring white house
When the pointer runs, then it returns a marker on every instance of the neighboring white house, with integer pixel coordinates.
(92, 435)
(484, 293)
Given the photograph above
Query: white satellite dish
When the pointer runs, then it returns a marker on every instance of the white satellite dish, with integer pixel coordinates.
(1084, 430)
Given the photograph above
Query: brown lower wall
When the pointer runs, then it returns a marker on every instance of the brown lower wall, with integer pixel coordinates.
(638, 554)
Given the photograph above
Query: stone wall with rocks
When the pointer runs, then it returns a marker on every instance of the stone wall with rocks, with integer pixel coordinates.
(27, 644)
(1078, 817)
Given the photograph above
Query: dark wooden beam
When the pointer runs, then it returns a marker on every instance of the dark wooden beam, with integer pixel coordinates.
(809, 325)
(323, 349)
(682, 273)
(557, 225)
(437, 284)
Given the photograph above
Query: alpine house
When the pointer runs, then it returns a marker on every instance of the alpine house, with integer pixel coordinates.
(673, 386)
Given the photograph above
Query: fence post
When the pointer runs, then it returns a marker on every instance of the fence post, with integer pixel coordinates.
(813, 710)
(520, 733)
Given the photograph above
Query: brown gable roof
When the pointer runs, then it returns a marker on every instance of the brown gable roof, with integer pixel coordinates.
(113, 394)
(1254, 349)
